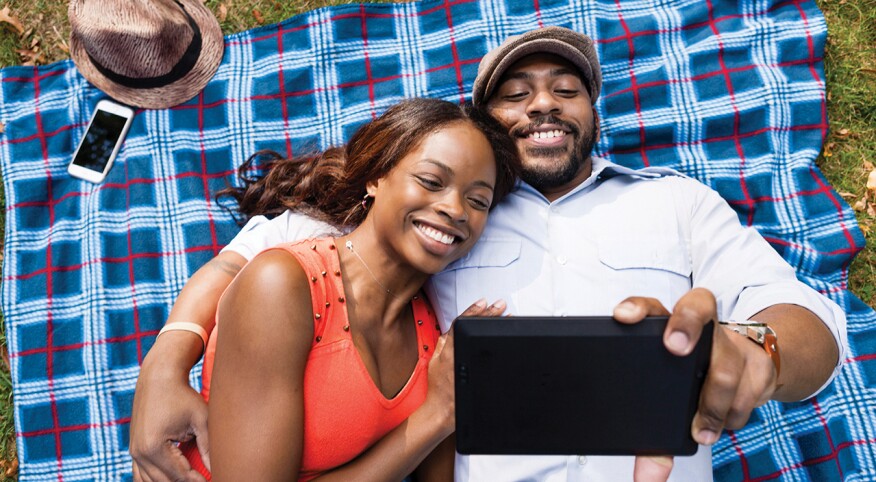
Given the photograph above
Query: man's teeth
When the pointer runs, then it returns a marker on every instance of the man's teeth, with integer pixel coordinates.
(436, 235)
(546, 134)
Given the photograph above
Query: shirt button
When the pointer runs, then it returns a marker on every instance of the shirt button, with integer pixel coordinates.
(582, 460)
(561, 259)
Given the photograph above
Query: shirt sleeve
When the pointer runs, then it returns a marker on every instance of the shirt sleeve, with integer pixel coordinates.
(260, 233)
(745, 273)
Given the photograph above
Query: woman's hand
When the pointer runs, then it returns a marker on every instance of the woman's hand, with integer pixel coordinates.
(441, 393)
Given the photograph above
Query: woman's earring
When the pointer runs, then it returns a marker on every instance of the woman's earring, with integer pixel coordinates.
(365, 201)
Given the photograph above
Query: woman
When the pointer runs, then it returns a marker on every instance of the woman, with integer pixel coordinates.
(321, 366)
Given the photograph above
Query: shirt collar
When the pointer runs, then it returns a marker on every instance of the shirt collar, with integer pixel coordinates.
(604, 169)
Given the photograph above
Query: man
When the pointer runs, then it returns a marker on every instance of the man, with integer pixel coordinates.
(578, 237)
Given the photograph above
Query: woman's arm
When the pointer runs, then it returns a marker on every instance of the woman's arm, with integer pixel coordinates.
(256, 398)
(166, 408)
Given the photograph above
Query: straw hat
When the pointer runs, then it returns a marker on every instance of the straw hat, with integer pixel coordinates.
(146, 53)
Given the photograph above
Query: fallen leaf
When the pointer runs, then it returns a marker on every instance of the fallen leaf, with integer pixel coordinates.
(258, 16)
(223, 12)
(865, 228)
(13, 467)
(34, 42)
(860, 205)
(5, 17)
(31, 57)
(868, 166)
(847, 194)
(869, 71)
(871, 180)
(843, 132)
(871, 210)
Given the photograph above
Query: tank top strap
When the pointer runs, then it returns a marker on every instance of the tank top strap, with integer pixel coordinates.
(319, 259)
(428, 329)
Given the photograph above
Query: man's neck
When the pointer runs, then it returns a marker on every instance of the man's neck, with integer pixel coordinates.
(555, 193)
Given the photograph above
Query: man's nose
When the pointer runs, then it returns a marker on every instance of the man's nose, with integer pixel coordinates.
(544, 102)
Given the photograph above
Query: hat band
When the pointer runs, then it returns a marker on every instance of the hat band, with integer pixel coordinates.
(184, 66)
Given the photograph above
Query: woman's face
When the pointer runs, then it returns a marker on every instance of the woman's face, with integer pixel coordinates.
(432, 206)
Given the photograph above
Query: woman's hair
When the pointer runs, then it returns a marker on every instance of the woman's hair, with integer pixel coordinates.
(331, 186)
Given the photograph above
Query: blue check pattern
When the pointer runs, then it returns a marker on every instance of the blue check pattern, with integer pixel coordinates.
(731, 93)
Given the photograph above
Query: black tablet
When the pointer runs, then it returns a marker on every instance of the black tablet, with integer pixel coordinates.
(574, 385)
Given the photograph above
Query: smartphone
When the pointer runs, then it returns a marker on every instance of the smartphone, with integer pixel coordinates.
(102, 140)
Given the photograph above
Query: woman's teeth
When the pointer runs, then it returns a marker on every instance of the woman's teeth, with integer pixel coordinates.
(435, 234)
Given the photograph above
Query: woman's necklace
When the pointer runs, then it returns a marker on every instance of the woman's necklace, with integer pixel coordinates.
(349, 245)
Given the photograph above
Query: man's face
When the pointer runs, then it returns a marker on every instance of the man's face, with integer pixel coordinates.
(546, 108)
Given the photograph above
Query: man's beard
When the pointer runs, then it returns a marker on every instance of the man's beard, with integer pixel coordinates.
(566, 164)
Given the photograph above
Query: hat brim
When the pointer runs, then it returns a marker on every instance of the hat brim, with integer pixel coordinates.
(177, 92)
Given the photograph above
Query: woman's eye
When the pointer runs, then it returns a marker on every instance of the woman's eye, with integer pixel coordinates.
(479, 204)
(429, 183)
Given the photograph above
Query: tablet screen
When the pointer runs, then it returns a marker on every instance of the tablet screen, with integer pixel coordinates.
(574, 385)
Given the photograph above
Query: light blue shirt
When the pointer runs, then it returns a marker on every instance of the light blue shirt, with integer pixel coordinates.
(651, 232)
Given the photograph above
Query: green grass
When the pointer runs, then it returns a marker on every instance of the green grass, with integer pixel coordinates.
(850, 65)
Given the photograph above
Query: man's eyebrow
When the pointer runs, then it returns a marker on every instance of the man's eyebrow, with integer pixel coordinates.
(450, 172)
(527, 75)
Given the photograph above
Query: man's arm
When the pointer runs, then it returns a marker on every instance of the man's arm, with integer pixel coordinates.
(741, 375)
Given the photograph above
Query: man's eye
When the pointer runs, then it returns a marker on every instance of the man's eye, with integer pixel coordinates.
(566, 92)
(515, 96)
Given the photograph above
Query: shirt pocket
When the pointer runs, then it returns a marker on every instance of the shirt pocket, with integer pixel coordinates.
(488, 271)
(646, 265)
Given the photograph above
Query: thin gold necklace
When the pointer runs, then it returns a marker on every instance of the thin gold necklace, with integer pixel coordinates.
(349, 245)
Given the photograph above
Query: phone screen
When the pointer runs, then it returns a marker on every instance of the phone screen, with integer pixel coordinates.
(99, 141)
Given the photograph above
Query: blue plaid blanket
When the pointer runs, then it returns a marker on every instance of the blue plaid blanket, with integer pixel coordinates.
(731, 93)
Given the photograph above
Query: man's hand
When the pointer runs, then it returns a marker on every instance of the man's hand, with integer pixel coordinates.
(741, 375)
(166, 410)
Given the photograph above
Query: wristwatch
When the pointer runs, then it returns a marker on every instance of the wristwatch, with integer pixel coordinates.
(759, 333)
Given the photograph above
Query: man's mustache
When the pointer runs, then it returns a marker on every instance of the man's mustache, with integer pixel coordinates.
(548, 119)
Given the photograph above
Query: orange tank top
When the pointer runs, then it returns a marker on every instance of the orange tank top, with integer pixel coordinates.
(344, 411)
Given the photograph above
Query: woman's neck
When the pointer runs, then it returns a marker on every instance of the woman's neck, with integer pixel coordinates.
(376, 277)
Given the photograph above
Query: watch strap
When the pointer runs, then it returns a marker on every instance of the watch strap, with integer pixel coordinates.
(761, 334)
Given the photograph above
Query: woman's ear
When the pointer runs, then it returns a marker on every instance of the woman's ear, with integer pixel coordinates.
(371, 187)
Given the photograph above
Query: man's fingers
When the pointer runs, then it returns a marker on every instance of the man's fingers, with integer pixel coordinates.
(719, 390)
(652, 469)
(692, 312)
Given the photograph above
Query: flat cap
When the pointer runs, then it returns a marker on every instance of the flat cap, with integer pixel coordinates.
(575, 47)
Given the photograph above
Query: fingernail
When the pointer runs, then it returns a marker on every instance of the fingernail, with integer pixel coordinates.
(498, 304)
(627, 308)
(707, 437)
(678, 342)
(481, 303)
